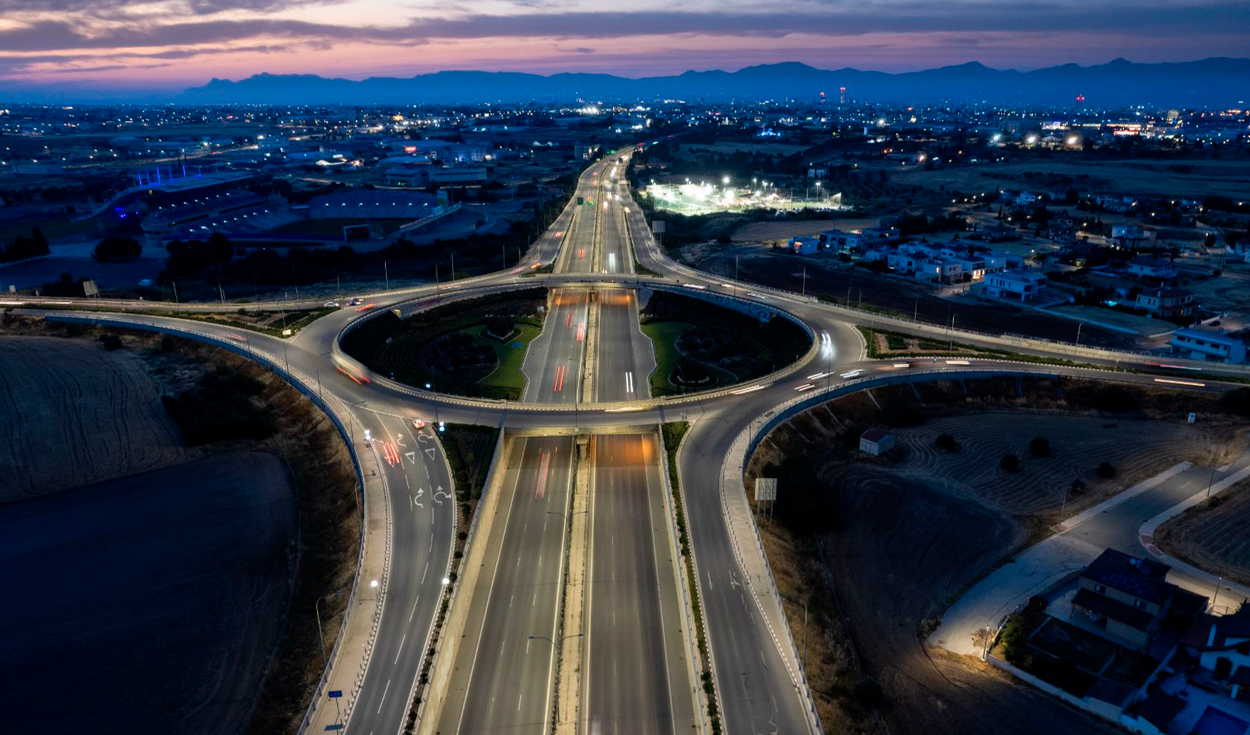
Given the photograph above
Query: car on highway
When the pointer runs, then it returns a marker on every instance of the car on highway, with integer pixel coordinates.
(852, 374)
(418, 424)
(331, 304)
(355, 300)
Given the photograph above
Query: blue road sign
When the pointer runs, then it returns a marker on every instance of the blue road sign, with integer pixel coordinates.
(335, 694)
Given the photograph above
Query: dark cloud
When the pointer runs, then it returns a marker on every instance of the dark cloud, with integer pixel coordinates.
(964, 18)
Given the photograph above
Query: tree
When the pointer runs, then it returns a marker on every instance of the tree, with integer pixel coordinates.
(1039, 446)
(116, 247)
(1106, 470)
(946, 442)
(1010, 462)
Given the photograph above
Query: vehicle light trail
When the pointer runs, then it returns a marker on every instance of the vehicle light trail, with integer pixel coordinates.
(1190, 383)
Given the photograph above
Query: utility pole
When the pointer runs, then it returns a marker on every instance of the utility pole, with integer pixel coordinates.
(296, 282)
(735, 276)
(386, 273)
(177, 304)
(453, 267)
(220, 291)
(1078, 335)
(804, 282)
(951, 346)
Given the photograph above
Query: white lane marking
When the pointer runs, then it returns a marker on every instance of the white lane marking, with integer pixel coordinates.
(384, 691)
(414, 609)
(427, 571)
(400, 649)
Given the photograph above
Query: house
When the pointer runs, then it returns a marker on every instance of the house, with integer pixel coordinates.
(1166, 302)
(974, 268)
(875, 442)
(1116, 204)
(1015, 285)
(1146, 267)
(842, 242)
(1026, 199)
(942, 270)
(872, 255)
(459, 176)
(805, 245)
(1222, 646)
(1131, 237)
(1126, 596)
(901, 262)
(1203, 344)
(882, 233)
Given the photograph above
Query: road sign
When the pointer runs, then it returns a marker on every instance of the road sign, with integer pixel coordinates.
(335, 694)
(336, 726)
(765, 488)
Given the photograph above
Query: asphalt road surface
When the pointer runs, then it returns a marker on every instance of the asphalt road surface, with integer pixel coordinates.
(626, 357)
(503, 680)
(553, 364)
(636, 671)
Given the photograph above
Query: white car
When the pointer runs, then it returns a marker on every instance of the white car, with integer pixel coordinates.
(418, 424)
(331, 304)
(852, 374)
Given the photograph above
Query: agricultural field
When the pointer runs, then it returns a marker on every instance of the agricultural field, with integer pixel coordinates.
(1212, 535)
(1137, 448)
(1195, 178)
(189, 565)
(65, 402)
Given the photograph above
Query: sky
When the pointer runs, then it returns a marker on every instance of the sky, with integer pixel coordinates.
(173, 44)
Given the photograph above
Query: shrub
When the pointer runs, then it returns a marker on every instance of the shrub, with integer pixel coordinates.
(946, 442)
(111, 342)
(168, 344)
(1010, 462)
(1236, 401)
(1113, 399)
(1039, 446)
(116, 247)
(1106, 470)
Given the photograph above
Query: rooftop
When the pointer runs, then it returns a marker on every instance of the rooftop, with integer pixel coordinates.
(1141, 578)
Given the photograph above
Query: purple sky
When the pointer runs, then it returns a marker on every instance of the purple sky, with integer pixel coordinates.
(162, 44)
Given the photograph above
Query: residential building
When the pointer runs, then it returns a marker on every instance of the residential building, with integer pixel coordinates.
(1147, 267)
(875, 442)
(459, 176)
(1205, 344)
(1015, 285)
(904, 263)
(1131, 237)
(1222, 646)
(1168, 303)
(842, 242)
(1126, 596)
(942, 270)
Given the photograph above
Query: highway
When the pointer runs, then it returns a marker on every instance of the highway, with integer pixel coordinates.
(553, 364)
(503, 680)
(635, 675)
(753, 662)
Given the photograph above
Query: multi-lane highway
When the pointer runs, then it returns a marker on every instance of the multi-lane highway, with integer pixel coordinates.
(636, 673)
(503, 684)
(504, 672)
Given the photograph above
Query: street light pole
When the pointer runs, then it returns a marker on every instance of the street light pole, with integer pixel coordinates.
(386, 273)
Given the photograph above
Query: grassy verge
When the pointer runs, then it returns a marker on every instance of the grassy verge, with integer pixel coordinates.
(674, 431)
(663, 334)
(507, 377)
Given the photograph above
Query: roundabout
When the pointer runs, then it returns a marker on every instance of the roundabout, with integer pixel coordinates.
(587, 374)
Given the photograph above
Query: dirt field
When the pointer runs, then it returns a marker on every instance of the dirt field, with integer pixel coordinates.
(766, 231)
(166, 591)
(1207, 177)
(912, 530)
(1213, 535)
(65, 403)
(1138, 448)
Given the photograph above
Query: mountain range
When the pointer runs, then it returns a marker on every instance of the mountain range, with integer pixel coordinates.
(1213, 82)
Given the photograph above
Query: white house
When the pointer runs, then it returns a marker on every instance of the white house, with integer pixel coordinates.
(875, 442)
(902, 262)
(943, 270)
(1015, 285)
(1203, 344)
(1145, 267)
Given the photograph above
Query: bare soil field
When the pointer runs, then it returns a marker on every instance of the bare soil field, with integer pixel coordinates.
(765, 231)
(1194, 178)
(151, 602)
(66, 402)
(1214, 536)
(72, 390)
(908, 531)
(1137, 448)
